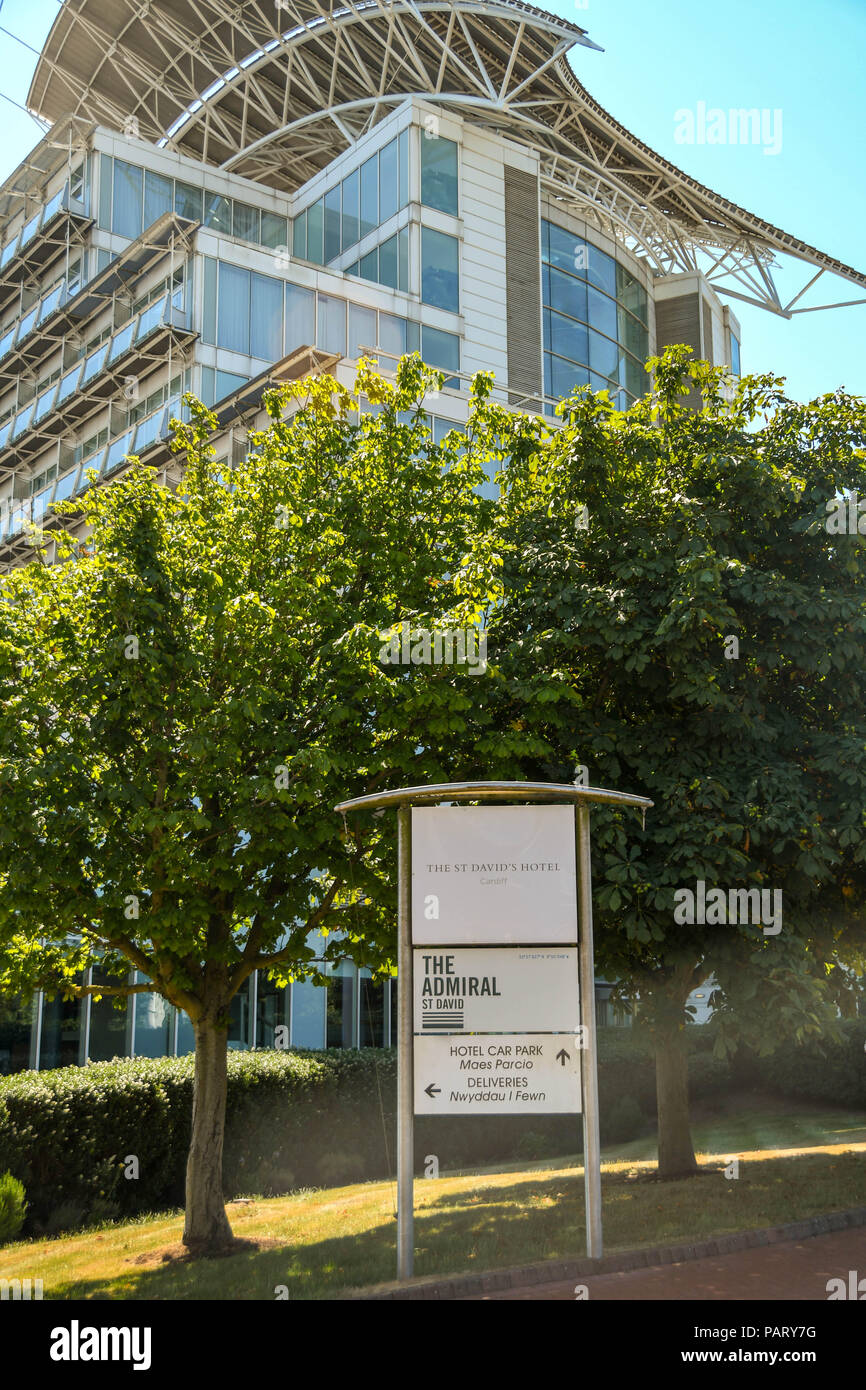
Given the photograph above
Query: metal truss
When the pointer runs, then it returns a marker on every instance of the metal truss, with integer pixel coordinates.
(274, 90)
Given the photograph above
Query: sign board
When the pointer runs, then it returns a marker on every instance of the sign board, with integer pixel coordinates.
(488, 875)
(509, 1074)
(524, 989)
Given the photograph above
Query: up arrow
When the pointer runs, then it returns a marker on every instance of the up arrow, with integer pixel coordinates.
(562, 1057)
(432, 1090)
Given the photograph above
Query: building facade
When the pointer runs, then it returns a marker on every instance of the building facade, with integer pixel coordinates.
(230, 196)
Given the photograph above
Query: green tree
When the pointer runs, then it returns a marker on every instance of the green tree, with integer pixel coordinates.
(678, 619)
(184, 699)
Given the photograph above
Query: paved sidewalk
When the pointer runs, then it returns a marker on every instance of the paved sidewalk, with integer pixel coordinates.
(790, 1270)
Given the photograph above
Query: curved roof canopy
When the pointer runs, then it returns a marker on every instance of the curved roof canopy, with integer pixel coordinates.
(276, 89)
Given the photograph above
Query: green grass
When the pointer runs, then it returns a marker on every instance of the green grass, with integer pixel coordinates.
(320, 1244)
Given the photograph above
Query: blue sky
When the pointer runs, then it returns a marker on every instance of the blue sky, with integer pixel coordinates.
(803, 59)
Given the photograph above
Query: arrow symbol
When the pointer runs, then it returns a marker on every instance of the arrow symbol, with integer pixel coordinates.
(432, 1090)
(562, 1057)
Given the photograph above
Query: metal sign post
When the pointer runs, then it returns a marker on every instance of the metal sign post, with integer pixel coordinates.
(536, 1055)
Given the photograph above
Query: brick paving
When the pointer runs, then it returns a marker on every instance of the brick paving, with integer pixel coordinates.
(796, 1270)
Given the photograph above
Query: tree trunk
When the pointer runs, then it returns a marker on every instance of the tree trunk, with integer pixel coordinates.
(676, 1152)
(207, 1228)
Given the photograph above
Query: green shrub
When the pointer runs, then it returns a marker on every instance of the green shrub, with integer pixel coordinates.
(625, 1121)
(13, 1207)
(819, 1070)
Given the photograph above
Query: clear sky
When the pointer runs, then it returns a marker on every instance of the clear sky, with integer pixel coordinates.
(803, 59)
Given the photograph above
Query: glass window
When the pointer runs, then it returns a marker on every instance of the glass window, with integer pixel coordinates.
(121, 341)
(632, 335)
(94, 363)
(331, 334)
(68, 383)
(392, 334)
(561, 377)
(158, 196)
(300, 237)
(438, 173)
(154, 1024)
(369, 196)
(388, 264)
(105, 180)
(266, 318)
(50, 302)
(602, 312)
(43, 404)
(218, 212)
(566, 337)
(118, 451)
(108, 1024)
(245, 222)
(27, 323)
(404, 167)
(240, 1019)
(300, 317)
(151, 319)
(403, 260)
(631, 293)
(227, 383)
(233, 304)
(351, 209)
(389, 181)
(128, 195)
(440, 349)
(439, 270)
(362, 329)
(308, 1014)
(316, 231)
(565, 293)
(603, 355)
(333, 225)
(66, 486)
(563, 249)
(210, 300)
(369, 265)
(188, 201)
(636, 379)
(275, 231)
(601, 271)
(341, 1004)
(7, 340)
(272, 1010)
(372, 1011)
(62, 1042)
(735, 355)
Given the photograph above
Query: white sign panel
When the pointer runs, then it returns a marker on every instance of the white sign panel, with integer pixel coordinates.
(493, 874)
(512, 1074)
(496, 989)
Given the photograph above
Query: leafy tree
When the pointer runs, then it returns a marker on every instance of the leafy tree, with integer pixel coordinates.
(678, 619)
(185, 699)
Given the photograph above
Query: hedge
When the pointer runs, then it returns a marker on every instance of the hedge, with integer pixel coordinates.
(294, 1119)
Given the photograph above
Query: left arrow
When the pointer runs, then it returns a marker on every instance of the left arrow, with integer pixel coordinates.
(432, 1090)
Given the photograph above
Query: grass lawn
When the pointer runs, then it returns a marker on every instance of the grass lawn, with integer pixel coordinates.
(321, 1244)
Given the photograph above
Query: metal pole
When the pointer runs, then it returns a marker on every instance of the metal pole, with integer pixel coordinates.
(589, 1070)
(405, 1064)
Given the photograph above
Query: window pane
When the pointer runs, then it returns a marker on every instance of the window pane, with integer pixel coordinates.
(565, 293)
(735, 356)
(603, 355)
(218, 212)
(331, 335)
(566, 337)
(564, 249)
(630, 293)
(300, 236)
(636, 378)
(245, 222)
(388, 269)
(266, 318)
(300, 317)
(332, 224)
(234, 308)
(272, 1010)
(392, 334)
(439, 270)
(560, 377)
(108, 1025)
(633, 335)
(389, 181)
(154, 1025)
(188, 201)
(315, 232)
(403, 260)
(308, 1014)
(362, 329)
(369, 267)
(62, 1043)
(210, 300)
(351, 209)
(439, 173)
(602, 312)
(369, 195)
(601, 271)
(440, 349)
(341, 999)
(404, 167)
(275, 231)
(227, 383)
(158, 196)
(372, 1012)
(127, 212)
